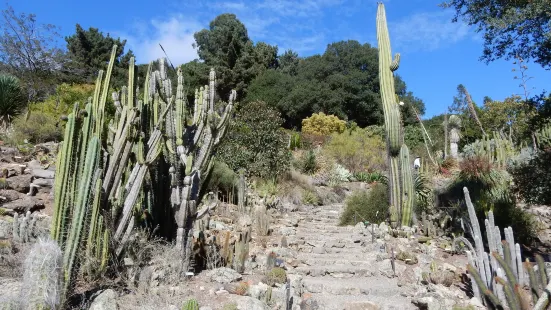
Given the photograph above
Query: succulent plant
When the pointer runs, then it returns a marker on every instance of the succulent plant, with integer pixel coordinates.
(400, 184)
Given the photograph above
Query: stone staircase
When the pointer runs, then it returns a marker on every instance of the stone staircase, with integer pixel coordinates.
(341, 267)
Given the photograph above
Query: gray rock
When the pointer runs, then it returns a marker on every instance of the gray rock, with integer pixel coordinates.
(428, 303)
(258, 291)
(42, 174)
(107, 300)
(25, 204)
(224, 275)
(249, 303)
(20, 183)
(44, 182)
(385, 268)
(287, 231)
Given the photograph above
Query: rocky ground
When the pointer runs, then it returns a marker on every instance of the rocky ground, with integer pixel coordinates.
(327, 266)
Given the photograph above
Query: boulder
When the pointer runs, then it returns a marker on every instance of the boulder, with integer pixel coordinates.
(224, 275)
(107, 300)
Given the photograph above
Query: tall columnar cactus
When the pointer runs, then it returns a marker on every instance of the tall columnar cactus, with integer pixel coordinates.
(42, 279)
(400, 209)
(500, 275)
(144, 167)
(454, 123)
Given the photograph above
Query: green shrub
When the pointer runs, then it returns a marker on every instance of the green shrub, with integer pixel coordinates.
(12, 98)
(276, 275)
(309, 164)
(364, 205)
(221, 178)
(357, 150)
(531, 178)
(38, 128)
(256, 143)
(369, 177)
(310, 198)
(64, 99)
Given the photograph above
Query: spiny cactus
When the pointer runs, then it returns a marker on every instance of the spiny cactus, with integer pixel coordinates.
(497, 150)
(42, 279)
(191, 304)
(454, 123)
(400, 208)
(499, 276)
(145, 141)
(262, 220)
(241, 251)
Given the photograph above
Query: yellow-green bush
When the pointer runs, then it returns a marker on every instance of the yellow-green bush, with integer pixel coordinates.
(322, 124)
(62, 102)
(38, 128)
(357, 151)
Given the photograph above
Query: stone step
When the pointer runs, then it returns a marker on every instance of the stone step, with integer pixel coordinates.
(371, 286)
(337, 271)
(327, 250)
(353, 256)
(368, 262)
(360, 302)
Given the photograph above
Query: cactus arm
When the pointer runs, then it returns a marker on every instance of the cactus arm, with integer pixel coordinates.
(79, 213)
(61, 207)
(103, 96)
(543, 301)
(408, 187)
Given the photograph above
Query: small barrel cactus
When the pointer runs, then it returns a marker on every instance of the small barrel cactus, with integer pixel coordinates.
(191, 304)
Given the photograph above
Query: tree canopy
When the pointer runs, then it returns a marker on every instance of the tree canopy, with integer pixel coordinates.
(89, 51)
(342, 81)
(511, 29)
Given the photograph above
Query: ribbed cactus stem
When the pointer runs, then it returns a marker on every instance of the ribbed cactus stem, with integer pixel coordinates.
(62, 180)
(191, 304)
(79, 213)
(408, 192)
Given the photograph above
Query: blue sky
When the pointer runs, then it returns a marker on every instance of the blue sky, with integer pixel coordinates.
(437, 54)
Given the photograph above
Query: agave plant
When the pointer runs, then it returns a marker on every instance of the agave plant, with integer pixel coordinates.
(12, 99)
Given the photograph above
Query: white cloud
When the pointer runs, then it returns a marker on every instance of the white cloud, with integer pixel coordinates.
(427, 31)
(174, 34)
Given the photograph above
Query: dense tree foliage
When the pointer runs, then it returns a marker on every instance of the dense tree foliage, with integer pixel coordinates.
(255, 142)
(227, 48)
(510, 28)
(343, 81)
(89, 51)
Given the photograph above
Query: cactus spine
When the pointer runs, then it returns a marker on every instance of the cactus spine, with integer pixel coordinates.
(42, 280)
(400, 208)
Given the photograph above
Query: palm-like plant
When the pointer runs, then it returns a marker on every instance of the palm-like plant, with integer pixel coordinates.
(12, 99)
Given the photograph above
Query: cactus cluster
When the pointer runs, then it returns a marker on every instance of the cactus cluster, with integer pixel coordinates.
(400, 179)
(500, 275)
(24, 227)
(144, 167)
(497, 150)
